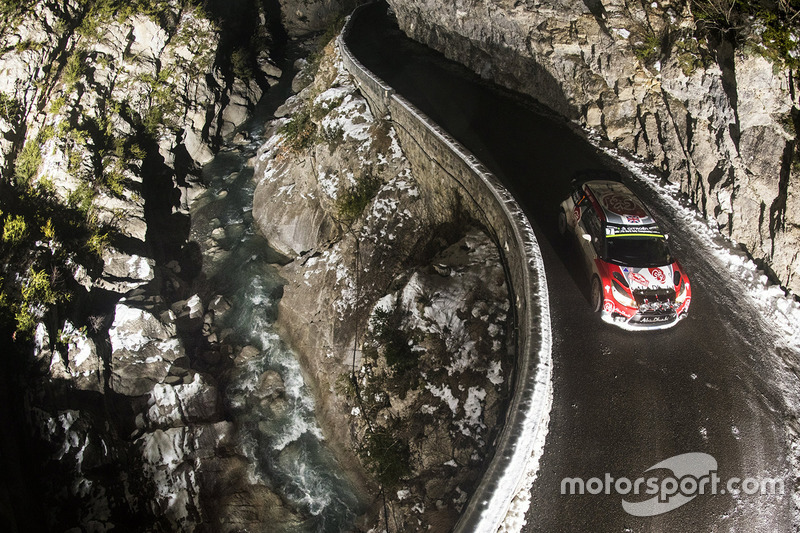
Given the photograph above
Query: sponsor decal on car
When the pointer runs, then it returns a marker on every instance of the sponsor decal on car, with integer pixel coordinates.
(617, 230)
(638, 278)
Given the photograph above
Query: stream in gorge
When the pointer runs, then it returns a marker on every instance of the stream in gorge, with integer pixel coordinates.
(281, 438)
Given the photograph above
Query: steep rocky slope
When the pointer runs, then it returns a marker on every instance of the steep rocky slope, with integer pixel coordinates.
(107, 111)
(394, 300)
(715, 112)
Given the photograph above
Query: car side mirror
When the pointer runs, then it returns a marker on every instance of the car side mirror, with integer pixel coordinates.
(587, 237)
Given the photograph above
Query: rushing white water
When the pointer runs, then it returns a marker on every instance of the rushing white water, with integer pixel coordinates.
(281, 437)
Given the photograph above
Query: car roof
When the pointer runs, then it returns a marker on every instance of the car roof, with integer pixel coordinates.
(617, 204)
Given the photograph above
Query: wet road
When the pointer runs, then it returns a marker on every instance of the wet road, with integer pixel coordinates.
(623, 401)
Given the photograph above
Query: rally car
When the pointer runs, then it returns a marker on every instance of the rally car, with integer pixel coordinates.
(636, 283)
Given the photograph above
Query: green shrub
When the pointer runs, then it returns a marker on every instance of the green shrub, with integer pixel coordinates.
(115, 183)
(395, 343)
(15, 229)
(333, 136)
(57, 104)
(27, 164)
(649, 49)
(352, 203)
(777, 39)
(38, 294)
(75, 69)
(25, 321)
(137, 152)
(333, 29)
(81, 199)
(48, 230)
(153, 119)
(45, 134)
(113, 176)
(97, 243)
(299, 132)
(781, 19)
(387, 457)
(45, 188)
(241, 64)
(321, 109)
(38, 289)
(10, 108)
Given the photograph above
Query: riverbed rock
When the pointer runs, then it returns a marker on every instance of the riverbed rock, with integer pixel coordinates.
(143, 349)
(193, 399)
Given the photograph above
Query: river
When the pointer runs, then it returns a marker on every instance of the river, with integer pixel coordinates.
(284, 443)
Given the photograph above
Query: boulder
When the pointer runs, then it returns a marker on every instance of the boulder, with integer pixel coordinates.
(143, 348)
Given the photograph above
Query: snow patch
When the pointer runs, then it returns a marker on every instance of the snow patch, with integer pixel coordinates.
(445, 394)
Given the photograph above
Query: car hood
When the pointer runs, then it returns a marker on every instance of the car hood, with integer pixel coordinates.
(648, 277)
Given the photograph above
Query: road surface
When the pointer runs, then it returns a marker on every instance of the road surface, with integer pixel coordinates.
(623, 401)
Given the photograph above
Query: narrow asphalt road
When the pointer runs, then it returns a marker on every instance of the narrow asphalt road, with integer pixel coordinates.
(623, 401)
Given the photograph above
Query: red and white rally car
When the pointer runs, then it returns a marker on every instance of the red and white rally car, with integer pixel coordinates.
(636, 283)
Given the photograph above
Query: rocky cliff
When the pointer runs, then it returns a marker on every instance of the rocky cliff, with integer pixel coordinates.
(113, 413)
(709, 101)
(394, 300)
(127, 405)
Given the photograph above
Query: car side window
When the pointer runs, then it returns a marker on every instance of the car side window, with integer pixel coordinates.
(594, 228)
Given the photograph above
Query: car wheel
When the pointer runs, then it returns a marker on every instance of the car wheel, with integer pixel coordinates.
(597, 295)
(562, 222)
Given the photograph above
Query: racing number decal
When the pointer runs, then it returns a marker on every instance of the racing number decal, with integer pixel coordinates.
(658, 274)
(576, 213)
(608, 306)
(623, 205)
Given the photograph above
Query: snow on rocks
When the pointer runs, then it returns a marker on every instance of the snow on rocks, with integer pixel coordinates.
(300, 198)
(451, 321)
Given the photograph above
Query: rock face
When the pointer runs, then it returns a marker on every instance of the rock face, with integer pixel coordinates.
(301, 17)
(368, 245)
(157, 76)
(719, 121)
(105, 118)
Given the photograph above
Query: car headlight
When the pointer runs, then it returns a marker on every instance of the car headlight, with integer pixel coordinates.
(621, 297)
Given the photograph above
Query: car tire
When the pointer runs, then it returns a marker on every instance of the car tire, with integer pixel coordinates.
(562, 222)
(596, 295)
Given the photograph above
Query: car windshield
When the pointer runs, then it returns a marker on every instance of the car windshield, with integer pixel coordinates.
(638, 251)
